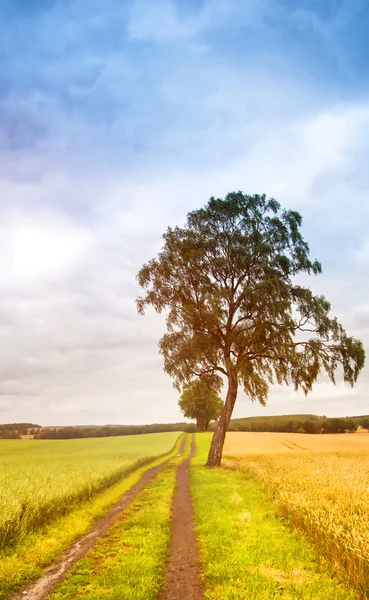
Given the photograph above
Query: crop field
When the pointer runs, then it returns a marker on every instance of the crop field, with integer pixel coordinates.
(246, 550)
(323, 491)
(130, 561)
(41, 480)
(269, 443)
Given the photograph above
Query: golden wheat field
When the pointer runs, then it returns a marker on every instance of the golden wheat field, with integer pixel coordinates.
(259, 443)
(321, 483)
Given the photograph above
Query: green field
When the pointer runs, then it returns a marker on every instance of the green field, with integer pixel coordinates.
(41, 480)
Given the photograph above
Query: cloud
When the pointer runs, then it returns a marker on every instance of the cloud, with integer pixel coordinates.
(5, 406)
(168, 21)
(118, 122)
(361, 316)
(161, 22)
(35, 247)
(333, 22)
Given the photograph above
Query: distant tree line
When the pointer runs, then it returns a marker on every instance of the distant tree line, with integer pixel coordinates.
(300, 424)
(64, 433)
(13, 431)
(283, 424)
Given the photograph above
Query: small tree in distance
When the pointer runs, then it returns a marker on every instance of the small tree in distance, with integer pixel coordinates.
(200, 401)
(235, 310)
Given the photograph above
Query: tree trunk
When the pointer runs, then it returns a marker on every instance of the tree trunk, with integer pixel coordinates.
(200, 425)
(216, 449)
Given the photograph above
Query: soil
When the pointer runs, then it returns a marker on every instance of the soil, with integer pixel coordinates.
(183, 580)
(42, 587)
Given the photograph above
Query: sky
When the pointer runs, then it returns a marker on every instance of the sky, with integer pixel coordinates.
(119, 117)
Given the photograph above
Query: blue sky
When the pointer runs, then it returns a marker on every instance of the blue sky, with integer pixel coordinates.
(116, 119)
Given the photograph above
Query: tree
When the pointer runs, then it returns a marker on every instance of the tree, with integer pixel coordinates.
(200, 401)
(350, 425)
(309, 427)
(234, 308)
(365, 423)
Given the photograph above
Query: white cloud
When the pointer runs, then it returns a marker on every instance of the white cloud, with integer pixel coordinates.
(38, 247)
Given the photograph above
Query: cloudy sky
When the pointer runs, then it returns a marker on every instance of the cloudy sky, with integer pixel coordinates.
(116, 119)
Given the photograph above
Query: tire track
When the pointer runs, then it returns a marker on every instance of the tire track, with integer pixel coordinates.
(183, 579)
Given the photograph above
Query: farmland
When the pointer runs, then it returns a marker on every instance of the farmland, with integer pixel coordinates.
(286, 522)
(41, 480)
(130, 561)
(246, 550)
(270, 443)
(320, 483)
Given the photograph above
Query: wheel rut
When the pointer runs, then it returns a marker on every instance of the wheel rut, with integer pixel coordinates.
(183, 579)
(42, 587)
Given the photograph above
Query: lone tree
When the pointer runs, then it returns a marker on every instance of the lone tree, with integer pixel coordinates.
(235, 310)
(200, 401)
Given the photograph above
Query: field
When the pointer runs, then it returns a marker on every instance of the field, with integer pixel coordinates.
(320, 483)
(282, 519)
(41, 480)
(130, 561)
(270, 443)
(246, 550)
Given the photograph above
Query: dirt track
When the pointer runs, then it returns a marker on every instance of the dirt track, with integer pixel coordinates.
(41, 588)
(183, 569)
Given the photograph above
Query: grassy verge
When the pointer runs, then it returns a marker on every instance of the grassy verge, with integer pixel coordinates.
(326, 496)
(246, 551)
(28, 561)
(130, 561)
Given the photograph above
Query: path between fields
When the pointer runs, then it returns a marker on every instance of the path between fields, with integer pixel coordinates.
(42, 587)
(183, 569)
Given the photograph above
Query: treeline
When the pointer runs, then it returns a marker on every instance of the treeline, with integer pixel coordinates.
(13, 431)
(65, 433)
(300, 424)
(283, 424)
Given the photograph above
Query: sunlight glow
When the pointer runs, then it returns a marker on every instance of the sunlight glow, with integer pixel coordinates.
(44, 248)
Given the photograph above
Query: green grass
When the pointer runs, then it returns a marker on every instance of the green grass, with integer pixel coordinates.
(246, 551)
(28, 560)
(43, 479)
(130, 562)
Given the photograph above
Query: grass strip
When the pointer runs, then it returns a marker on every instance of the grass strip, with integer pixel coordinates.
(28, 561)
(130, 562)
(326, 496)
(246, 551)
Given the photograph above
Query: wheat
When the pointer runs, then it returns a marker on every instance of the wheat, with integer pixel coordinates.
(41, 480)
(326, 495)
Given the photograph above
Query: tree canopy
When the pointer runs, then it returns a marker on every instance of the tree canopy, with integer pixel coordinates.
(200, 401)
(235, 306)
